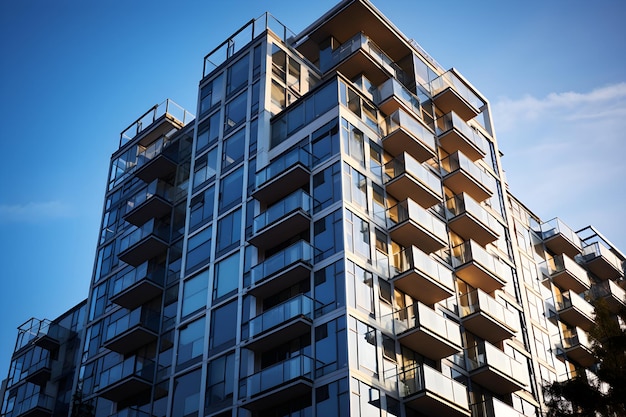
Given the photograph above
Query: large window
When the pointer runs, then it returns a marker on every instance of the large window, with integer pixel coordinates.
(233, 149)
(195, 293)
(201, 208)
(357, 233)
(226, 277)
(328, 235)
(231, 189)
(223, 327)
(353, 141)
(186, 400)
(365, 400)
(208, 132)
(205, 169)
(355, 187)
(237, 75)
(330, 286)
(327, 187)
(361, 294)
(362, 339)
(190, 343)
(235, 113)
(198, 249)
(332, 399)
(228, 232)
(220, 382)
(211, 94)
(330, 346)
(325, 141)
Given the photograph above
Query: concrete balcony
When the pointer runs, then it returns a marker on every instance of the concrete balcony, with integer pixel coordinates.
(495, 370)
(559, 238)
(461, 175)
(281, 270)
(575, 310)
(286, 321)
(393, 96)
(37, 405)
(277, 383)
(565, 273)
(284, 175)
(144, 243)
(493, 407)
(410, 224)
(133, 330)
(429, 392)
(138, 286)
(451, 94)
(282, 220)
(407, 178)
(421, 329)
(577, 347)
(470, 220)
(613, 294)
(486, 317)
(474, 265)
(150, 202)
(602, 262)
(403, 133)
(128, 379)
(454, 135)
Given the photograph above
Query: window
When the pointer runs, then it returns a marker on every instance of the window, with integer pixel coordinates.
(332, 399)
(237, 75)
(230, 190)
(355, 187)
(226, 279)
(186, 395)
(190, 343)
(229, 232)
(330, 286)
(211, 94)
(330, 346)
(223, 327)
(365, 400)
(198, 249)
(256, 62)
(328, 235)
(357, 235)
(362, 284)
(376, 161)
(208, 132)
(293, 80)
(220, 382)
(279, 63)
(201, 209)
(278, 95)
(353, 141)
(325, 141)
(195, 294)
(326, 187)
(362, 339)
(378, 204)
(234, 148)
(235, 112)
(205, 169)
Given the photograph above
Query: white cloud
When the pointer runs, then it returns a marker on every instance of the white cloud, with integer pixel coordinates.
(33, 211)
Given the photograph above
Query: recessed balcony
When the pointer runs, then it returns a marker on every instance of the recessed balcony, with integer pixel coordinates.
(493, 407)
(402, 133)
(132, 331)
(420, 276)
(138, 286)
(577, 347)
(407, 178)
(281, 221)
(428, 391)
(37, 405)
(277, 383)
(281, 270)
(283, 176)
(560, 239)
(565, 273)
(451, 94)
(454, 135)
(392, 96)
(495, 370)
(157, 160)
(421, 329)
(128, 379)
(486, 317)
(575, 310)
(150, 202)
(286, 321)
(144, 243)
(474, 265)
(410, 224)
(461, 175)
(613, 294)
(603, 263)
(470, 220)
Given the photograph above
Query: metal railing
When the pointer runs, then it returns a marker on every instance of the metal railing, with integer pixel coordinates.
(166, 108)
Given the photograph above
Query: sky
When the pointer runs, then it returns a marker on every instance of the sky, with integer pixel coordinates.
(75, 73)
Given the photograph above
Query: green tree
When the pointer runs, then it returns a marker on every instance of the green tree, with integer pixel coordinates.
(606, 396)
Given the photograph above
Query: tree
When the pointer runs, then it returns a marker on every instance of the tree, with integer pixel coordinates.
(606, 396)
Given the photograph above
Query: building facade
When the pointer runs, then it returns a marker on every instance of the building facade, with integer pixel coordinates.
(331, 235)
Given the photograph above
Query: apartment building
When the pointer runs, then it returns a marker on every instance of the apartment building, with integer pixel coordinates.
(330, 235)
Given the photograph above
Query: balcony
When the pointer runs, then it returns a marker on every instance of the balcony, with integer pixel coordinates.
(450, 93)
(577, 347)
(286, 321)
(474, 265)
(131, 412)
(283, 176)
(421, 329)
(144, 243)
(470, 220)
(39, 372)
(41, 333)
(157, 160)
(360, 55)
(392, 96)
(493, 407)
(456, 135)
(410, 224)
(160, 120)
(132, 331)
(277, 383)
(127, 379)
(559, 238)
(281, 270)
(402, 133)
(427, 391)
(486, 317)
(565, 273)
(613, 294)
(407, 178)
(461, 175)
(602, 262)
(282, 220)
(150, 202)
(495, 370)
(37, 405)
(420, 276)
(138, 286)
(575, 310)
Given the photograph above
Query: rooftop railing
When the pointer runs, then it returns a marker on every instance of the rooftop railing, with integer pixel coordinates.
(168, 107)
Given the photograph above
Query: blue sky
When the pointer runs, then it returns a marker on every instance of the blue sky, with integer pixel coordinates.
(75, 73)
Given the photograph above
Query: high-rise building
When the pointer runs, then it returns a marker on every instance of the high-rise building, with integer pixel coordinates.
(331, 235)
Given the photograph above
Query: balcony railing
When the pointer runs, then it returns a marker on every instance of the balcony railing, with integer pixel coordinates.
(479, 268)
(464, 101)
(566, 273)
(486, 317)
(578, 347)
(128, 289)
(126, 379)
(133, 330)
(151, 201)
(602, 262)
(493, 407)
(407, 178)
(37, 405)
(283, 175)
(494, 369)
(145, 242)
(559, 238)
(613, 294)
(471, 220)
(410, 224)
(575, 310)
(131, 412)
(298, 367)
(456, 135)
(176, 116)
(392, 90)
(401, 132)
(41, 333)
(475, 181)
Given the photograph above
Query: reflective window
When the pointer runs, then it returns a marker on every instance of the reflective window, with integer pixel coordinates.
(211, 94)
(327, 187)
(325, 141)
(237, 75)
(235, 112)
(205, 169)
(365, 400)
(195, 293)
(330, 346)
(362, 339)
(357, 235)
(332, 399)
(186, 395)
(223, 327)
(355, 187)
(190, 343)
(353, 141)
(231, 189)
(198, 249)
(328, 235)
(233, 149)
(208, 132)
(226, 276)
(330, 286)
(201, 208)
(220, 382)
(361, 295)
(229, 232)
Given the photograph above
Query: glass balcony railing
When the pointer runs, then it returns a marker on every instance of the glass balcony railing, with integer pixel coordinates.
(597, 250)
(300, 366)
(131, 412)
(283, 163)
(419, 315)
(478, 301)
(392, 88)
(405, 164)
(613, 293)
(494, 408)
(470, 251)
(450, 80)
(566, 273)
(146, 154)
(413, 258)
(44, 333)
(147, 271)
(150, 228)
(457, 161)
(399, 119)
(140, 317)
(29, 404)
(486, 355)
(298, 306)
(298, 252)
(156, 188)
(557, 227)
(408, 210)
(451, 121)
(298, 200)
(168, 108)
(426, 379)
(463, 203)
(133, 366)
(576, 337)
(570, 299)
